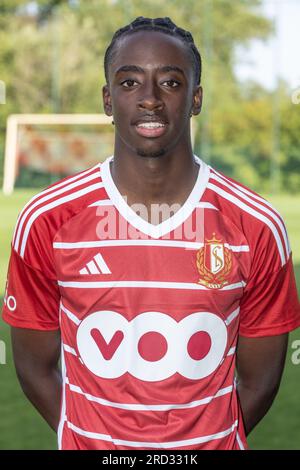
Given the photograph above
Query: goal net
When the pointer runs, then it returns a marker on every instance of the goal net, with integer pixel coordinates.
(41, 149)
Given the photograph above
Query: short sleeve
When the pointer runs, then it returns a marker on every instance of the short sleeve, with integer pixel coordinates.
(270, 303)
(31, 298)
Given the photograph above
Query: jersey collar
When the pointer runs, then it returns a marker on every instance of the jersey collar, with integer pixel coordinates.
(168, 225)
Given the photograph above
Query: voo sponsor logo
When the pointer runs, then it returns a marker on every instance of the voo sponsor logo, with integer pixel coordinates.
(152, 346)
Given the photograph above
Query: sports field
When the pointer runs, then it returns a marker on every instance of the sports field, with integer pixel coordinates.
(22, 428)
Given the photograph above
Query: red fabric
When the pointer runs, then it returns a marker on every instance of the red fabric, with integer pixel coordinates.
(269, 305)
(36, 303)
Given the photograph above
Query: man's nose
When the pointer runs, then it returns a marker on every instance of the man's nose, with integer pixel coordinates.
(150, 97)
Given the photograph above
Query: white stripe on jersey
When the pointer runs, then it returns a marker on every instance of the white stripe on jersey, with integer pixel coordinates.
(259, 206)
(232, 316)
(56, 203)
(69, 314)
(206, 205)
(145, 284)
(70, 350)
(63, 417)
(52, 188)
(239, 441)
(102, 202)
(165, 243)
(147, 407)
(231, 351)
(255, 214)
(76, 320)
(199, 205)
(246, 191)
(155, 445)
(46, 198)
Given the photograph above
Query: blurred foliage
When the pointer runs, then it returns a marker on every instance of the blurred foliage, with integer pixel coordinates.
(51, 59)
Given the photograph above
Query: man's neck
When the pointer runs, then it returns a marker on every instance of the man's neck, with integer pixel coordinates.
(168, 179)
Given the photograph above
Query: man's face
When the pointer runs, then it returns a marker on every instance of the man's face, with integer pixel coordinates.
(143, 87)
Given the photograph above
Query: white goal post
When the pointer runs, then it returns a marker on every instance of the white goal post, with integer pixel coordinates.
(14, 122)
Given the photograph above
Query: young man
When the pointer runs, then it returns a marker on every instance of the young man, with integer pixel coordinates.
(155, 273)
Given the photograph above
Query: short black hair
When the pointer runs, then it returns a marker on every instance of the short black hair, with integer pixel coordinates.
(164, 25)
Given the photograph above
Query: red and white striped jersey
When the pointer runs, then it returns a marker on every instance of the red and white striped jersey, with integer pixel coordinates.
(150, 313)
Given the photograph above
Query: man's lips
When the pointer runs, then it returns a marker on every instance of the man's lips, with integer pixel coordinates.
(151, 132)
(151, 127)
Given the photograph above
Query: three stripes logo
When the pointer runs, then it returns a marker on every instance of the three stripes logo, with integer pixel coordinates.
(96, 266)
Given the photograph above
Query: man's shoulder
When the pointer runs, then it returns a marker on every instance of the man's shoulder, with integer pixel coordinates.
(49, 209)
(251, 213)
(234, 197)
(72, 183)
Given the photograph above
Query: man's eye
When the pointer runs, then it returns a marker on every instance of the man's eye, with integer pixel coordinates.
(128, 83)
(172, 83)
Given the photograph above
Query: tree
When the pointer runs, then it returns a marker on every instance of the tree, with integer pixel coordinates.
(55, 64)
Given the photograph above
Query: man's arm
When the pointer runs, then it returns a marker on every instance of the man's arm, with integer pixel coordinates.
(36, 355)
(260, 363)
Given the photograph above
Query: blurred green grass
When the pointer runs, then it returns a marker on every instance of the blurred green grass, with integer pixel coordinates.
(21, 427)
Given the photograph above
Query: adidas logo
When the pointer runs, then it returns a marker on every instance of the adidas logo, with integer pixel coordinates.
(96, 266)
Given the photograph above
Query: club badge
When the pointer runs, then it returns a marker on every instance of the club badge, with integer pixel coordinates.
(214, 263)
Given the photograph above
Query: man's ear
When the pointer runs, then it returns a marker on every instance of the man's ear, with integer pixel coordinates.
(197, 100)
(107, 100)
